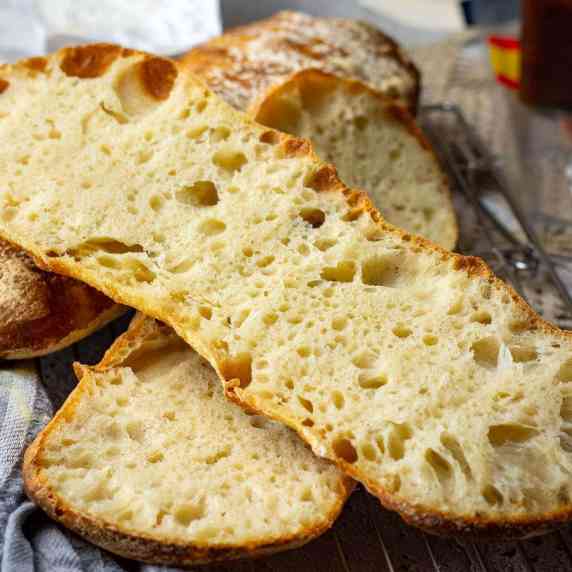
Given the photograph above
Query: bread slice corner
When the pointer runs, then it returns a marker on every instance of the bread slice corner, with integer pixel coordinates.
(148, 460)
(41, 312)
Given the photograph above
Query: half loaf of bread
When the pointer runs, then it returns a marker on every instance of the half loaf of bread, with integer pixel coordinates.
(41, 312)
(148, 460)
(414, 369)
(242, 64)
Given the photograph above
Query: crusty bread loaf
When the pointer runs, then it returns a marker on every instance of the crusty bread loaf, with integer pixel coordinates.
(413, 368)
(148, 460)
(242, 64)
(41, 312)
(373, 143)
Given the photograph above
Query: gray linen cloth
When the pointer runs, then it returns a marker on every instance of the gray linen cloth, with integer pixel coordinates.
(30, 392)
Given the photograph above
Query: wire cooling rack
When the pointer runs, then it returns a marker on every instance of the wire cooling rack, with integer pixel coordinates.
(494, 226)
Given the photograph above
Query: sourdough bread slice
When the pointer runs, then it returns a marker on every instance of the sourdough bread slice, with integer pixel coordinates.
(413, 368)
(374, 144)
(148, 460)
(41, 312)
(242, 64)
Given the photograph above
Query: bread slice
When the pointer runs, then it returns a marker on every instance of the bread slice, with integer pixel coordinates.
(374, 144)
(242, 64)
(414, 369)
(148, 460)
(41, 312)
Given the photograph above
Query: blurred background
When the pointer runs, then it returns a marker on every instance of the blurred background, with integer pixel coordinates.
(30, 27)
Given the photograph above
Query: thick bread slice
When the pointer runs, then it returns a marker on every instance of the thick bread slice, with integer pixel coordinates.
(147, 459)
(242, 64)
(374, 144)
(41, 312)
(413, 368)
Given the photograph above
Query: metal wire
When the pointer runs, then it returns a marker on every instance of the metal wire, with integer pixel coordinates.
(467, 159)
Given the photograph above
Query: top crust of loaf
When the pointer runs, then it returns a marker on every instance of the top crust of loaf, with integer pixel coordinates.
(41, 312)
(242, 64)
(136, 346)
(208, 320)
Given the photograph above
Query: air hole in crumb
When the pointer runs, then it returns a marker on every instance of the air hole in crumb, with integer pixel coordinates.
(402, 331)
(135, 431)
(486, 351)
(185, 514)
(306, 404)
(212, 227)
(492, 495)
(453, 446)
(344, 449)
(324, 244)
(379, 271)
(155, 457)
(239, 367)
(304, 351)
(339, 323)
(564, 374)
(144, 156)
(182, 266)
(523, 354)
(343, 272)
(196, 132)
(265, 261)
(229, 160)
(206, 312)
(456, 308)
(220, 134)
(368, 451)
(108, 261)
(156, 203)
(510, 433)
(270, 318)
(303, 249)
(314, 217)
(140, 272)
(199, 194)
(430, 340)
(399, 434)
(338, 399)
(372, 380)
(365, 359)
(481, 317)
(440, 466)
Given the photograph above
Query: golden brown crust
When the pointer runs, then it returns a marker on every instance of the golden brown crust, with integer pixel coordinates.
(158, 76)
(37, 64)
(41, 312)
(4, 85)
(89, 61)
(121, 541)
(425, 517)
(245, 62)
